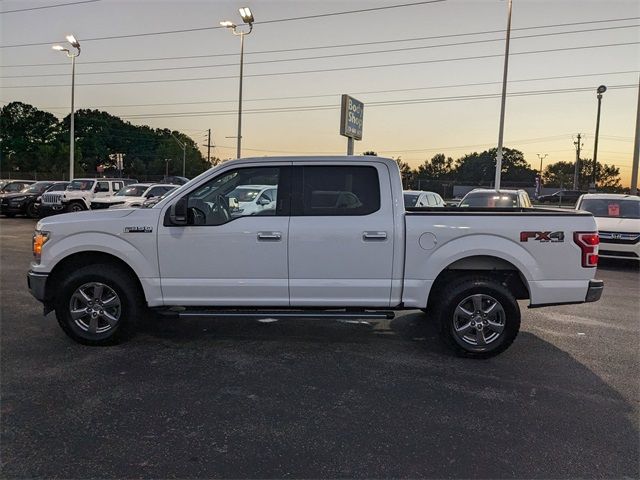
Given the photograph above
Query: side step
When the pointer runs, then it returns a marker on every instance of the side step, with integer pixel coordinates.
(328, 314)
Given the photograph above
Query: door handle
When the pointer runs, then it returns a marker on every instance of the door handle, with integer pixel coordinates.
(273, 236)
(367, 236)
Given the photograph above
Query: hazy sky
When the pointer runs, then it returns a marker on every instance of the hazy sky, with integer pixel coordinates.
(541, 122)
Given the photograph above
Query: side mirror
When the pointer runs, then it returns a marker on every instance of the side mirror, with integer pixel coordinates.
(178, 212)
(263, 201)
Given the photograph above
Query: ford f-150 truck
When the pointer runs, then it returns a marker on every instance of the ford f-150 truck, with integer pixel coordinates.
(337, 243)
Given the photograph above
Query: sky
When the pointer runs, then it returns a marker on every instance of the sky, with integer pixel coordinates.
(429, 74)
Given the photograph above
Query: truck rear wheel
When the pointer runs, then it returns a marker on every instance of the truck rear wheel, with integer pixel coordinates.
(479, 317)
(98, 305)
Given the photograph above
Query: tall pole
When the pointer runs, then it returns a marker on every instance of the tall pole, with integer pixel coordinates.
(72, 136)
(576, 168)
(636, 150)
(238, 153)
(209, 148)
(601, 90)
(184, 159)
(503, 104)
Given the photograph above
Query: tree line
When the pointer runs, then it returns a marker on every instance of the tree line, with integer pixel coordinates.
(32, 140)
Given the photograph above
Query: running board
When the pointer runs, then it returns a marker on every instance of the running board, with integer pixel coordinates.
(338, 315)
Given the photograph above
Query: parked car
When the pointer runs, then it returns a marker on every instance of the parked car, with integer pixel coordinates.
(175, 180)
(15, 186)
(568, 197)
(315, 255)
(25, 202)
(420, 198)
(251, 199)
(482, 197)
(80, 193)
(618, 221)
(55, 187)
(132, 196)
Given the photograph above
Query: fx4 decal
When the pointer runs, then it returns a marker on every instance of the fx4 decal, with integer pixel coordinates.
(138, 229)
(544, 237)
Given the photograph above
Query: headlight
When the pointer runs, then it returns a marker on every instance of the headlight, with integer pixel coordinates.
(38, 241)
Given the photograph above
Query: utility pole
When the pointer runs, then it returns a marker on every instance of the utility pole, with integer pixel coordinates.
(576, 170)
(636, 150)
(209, 147)
(503, 103)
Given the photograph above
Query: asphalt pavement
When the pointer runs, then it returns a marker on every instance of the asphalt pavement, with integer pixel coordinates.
(234, 398)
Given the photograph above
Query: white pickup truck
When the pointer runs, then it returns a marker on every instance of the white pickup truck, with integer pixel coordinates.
(338, 243)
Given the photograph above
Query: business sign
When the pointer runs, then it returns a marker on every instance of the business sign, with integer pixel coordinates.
(351, 116)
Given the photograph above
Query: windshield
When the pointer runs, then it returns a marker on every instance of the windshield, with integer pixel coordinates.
(132, 191)
(36, 188)
(81, 185)
(245, 194)
(490, 199)
(614, 208)
(410, 199)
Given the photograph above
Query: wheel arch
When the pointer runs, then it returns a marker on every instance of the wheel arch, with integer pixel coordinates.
(81, 259)
(492, 266)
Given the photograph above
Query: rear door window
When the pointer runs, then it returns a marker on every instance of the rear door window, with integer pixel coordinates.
(336, 190)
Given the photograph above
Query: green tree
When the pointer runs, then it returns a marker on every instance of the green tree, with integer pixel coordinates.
(560, 175)
(370, 153)
(479, 168)
(438, 168)
(29, 139)
(406, 173)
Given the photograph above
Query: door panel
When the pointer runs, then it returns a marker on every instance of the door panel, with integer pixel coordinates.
(225, 257)
(338, 257)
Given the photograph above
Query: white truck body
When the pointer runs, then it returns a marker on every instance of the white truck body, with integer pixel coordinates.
(388, 259)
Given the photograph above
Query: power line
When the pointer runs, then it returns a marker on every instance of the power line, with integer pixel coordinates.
(48, 6)
(299, 97)
(285, 50)
(319, 57)
(340, 69)
(199, 29)
(307, 108)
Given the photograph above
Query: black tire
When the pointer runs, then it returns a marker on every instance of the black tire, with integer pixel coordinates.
(129, 298)
(31, 210)
(76, 207)
(485, 289)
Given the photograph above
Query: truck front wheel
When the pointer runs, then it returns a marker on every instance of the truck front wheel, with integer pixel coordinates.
(98, 305)
(479, 317)
(76, 207)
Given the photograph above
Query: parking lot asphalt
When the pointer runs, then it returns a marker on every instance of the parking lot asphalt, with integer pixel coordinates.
(233, 398)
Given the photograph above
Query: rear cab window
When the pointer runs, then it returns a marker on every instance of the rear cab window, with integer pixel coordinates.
(335, 190)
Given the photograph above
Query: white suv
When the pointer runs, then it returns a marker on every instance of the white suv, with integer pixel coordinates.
(82, 191)
(618, 220)
(132, 196)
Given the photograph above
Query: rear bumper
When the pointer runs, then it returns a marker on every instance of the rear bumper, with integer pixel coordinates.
(594, 292)
(37, 283)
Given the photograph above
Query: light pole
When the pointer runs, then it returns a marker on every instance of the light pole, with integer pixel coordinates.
(72, 141)
(184, 152)
(503, 103)
(247, 18)
(601, 90)
(541, 157)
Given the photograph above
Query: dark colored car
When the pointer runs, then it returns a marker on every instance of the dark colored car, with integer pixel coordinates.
(561, 196)
(175, 180)
(24, 202)
(14, 186)
(55, 187)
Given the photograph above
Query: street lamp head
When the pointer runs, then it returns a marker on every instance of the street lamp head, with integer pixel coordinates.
(602, 89)
(72, 40)
(247, 16)
(228, 24)
(59, 48)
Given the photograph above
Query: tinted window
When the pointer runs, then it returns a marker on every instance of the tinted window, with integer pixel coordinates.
(102, 187)
(81, 185)
(157, 192)
(616, 208)
(220, 201)
(58, 187)
(336, 190)
(117, 186)
(410, 199)
(489, 199)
